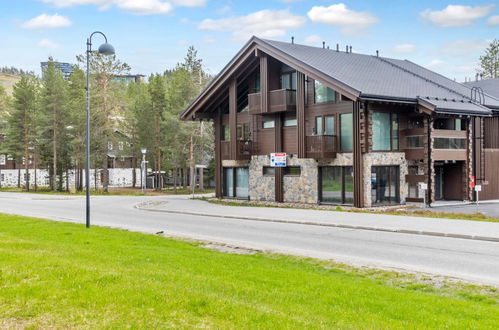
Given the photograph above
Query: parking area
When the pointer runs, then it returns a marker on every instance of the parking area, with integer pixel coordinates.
(487, 208)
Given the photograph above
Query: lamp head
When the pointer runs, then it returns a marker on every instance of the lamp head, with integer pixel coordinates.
(143, 150)
(106, 49)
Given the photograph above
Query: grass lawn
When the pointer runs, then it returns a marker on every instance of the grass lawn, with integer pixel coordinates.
(62, 275)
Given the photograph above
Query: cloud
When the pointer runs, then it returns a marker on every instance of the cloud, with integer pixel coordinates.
(145, 7)
(405, 48)
(45, 21)
(46, 43)
(313, 39)
(351, 22)
(138, 7)
(464, 47)
(456, 15)
(493, 20)
(265, 23)
(436, 64)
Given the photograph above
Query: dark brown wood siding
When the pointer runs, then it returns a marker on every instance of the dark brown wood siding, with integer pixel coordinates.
(491, 132)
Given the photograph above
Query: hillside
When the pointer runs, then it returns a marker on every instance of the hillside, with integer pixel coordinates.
(7, 81)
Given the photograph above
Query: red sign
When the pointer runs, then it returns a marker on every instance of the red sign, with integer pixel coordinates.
(473, 181)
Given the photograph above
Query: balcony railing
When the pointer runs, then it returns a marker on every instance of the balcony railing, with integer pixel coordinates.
(321, 146)
(279, 100)
(243, 149)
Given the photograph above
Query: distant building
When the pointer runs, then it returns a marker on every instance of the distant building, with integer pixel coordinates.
(66, 68)
(128, 78)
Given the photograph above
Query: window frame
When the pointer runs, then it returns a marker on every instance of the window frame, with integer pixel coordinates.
(391, 116)
(268, 121)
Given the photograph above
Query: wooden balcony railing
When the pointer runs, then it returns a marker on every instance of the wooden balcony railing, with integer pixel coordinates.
(321, 146)
(243, 149)
(279, 100)
(225, 149)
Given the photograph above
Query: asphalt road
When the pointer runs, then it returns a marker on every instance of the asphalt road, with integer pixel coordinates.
(471, 260)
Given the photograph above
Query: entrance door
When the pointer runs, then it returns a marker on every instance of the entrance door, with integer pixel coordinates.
(439, 182)
(385, 185)
(336, 184)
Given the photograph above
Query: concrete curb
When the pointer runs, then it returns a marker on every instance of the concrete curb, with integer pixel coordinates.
(143, 206)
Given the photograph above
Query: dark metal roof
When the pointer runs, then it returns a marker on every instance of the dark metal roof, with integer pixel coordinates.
(380, 76)
(489, 86)
(367, 76)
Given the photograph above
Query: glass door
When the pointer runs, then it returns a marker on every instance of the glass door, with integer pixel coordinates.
(242, 182)
(385, 185)
(228, 182)
(336, 184)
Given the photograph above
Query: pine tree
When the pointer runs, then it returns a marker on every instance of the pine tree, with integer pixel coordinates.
(489, 62)
(54, 122)
(22, 123)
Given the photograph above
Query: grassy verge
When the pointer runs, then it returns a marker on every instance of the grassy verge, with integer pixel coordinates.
(62, 275)
(387, 211)
(111, 191)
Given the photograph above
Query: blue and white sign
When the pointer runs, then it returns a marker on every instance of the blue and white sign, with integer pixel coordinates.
(278, 159)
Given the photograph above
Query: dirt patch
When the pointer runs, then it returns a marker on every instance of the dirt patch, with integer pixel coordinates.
(229, 249)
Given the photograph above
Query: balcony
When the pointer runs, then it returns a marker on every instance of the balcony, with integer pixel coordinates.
(320, 146)
(244, 150)
(279, 101)
(449, 144)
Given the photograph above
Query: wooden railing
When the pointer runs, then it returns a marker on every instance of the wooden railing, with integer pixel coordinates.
(279, 100)
(321, 146)
(225, 149)
(243, 149)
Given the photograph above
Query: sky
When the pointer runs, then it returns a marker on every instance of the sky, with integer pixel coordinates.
(153, 35)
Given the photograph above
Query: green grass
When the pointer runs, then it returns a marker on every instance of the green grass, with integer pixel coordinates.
(61, 275)
(389, 211)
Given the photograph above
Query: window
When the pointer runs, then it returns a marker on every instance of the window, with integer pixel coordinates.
(243, 132)
(415, 141)
(336, 184)
(318, 125)
(385, 131)
(225, 133)
(268, 124)
(120, 145)
(3, 159)
(346, 131)
(288, 77)
(257, 83)
(292, 170)
(385, 183)
(109, 145)
(329, 125)
(268, 171)
(449, 143)
(323, 93)
(2, 177)
(289, 120)
(236, 181)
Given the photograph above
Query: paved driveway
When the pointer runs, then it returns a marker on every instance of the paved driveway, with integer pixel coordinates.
(489, 209)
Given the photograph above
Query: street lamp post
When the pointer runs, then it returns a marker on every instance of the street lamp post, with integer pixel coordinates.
(143, 167)
(105, 49)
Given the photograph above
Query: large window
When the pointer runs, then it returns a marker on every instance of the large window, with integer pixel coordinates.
(449, 143)
(385, 183)
(268, 124)
(236, 181)
(324, 125)
(415, 141)
(323, 94)
(288, 77)
(225, 133)
(336, 184)
(243, 132)
(385, 131)
(346, 131)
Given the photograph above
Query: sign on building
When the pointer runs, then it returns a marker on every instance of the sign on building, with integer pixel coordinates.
(278, 159)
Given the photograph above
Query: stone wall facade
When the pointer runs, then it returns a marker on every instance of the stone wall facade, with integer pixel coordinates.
(305, 188)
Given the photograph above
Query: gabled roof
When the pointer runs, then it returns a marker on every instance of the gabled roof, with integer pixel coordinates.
(489, 86)
(363, 77)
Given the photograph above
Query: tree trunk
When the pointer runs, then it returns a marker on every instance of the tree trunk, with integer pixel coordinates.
(26, 166)
(105, 172)
(54, 158)
(134, 172)
(19, 178)
(36, 178)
